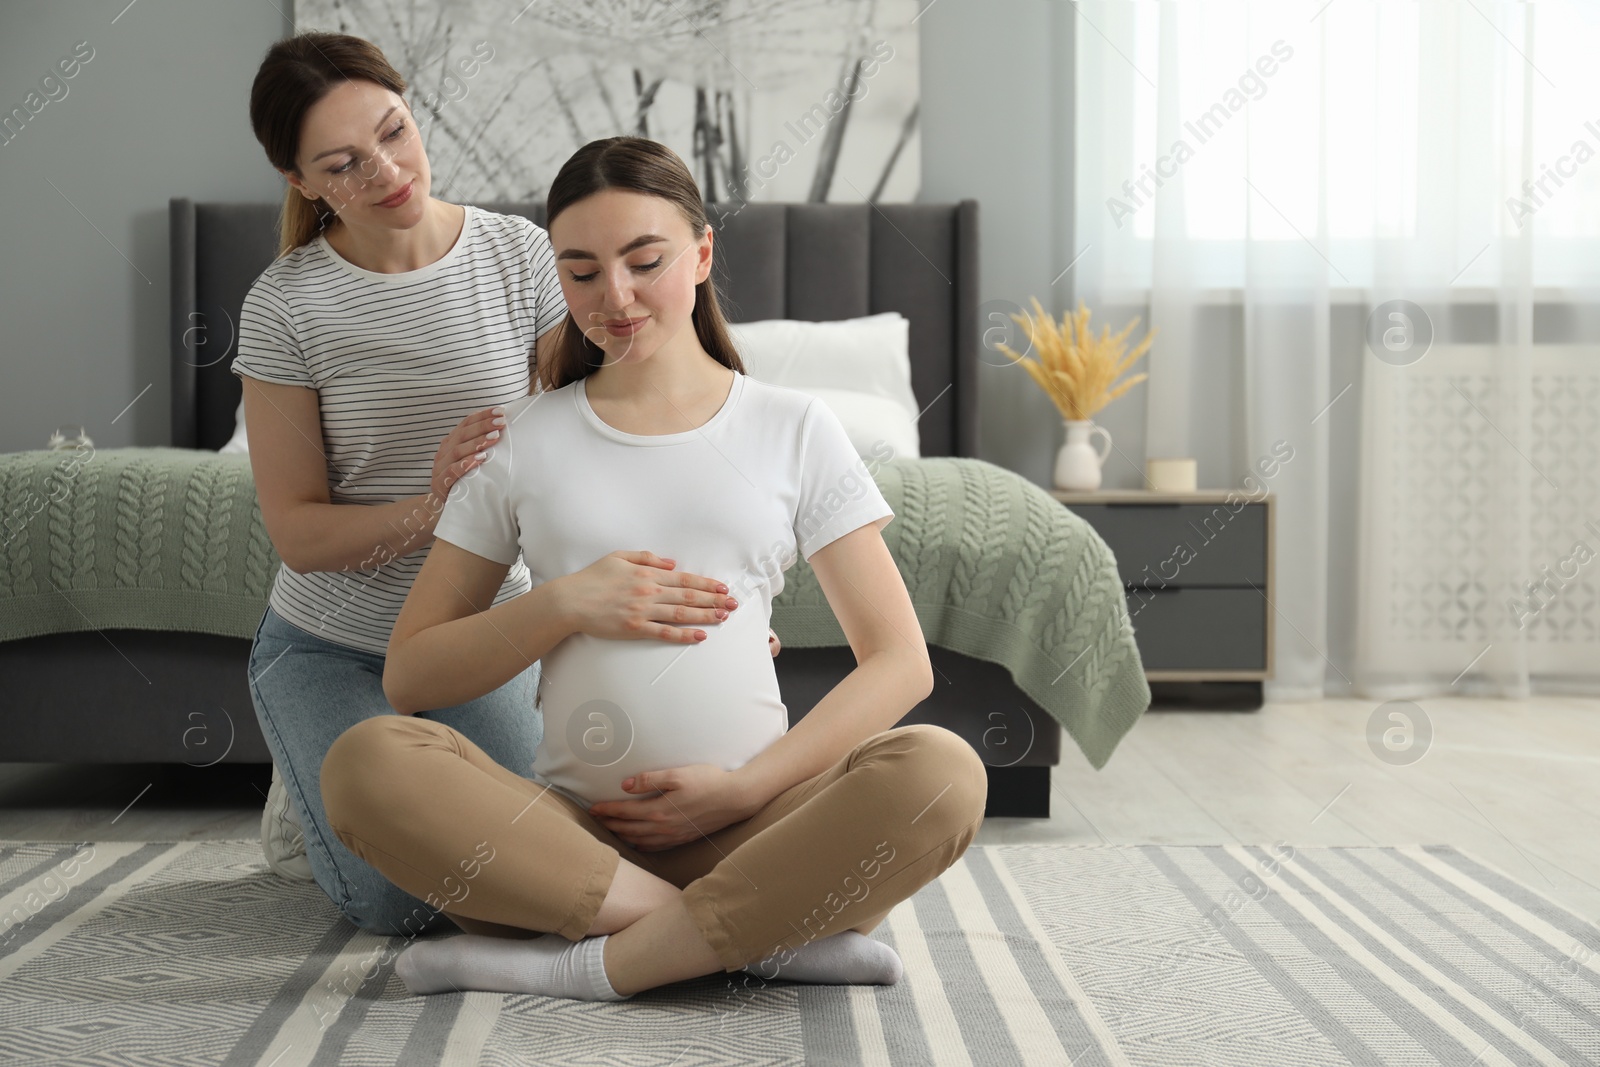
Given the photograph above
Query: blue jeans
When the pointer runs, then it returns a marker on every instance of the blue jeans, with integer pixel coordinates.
(307, 691)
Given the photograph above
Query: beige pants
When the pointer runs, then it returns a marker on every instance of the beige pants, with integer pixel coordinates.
(502, 855)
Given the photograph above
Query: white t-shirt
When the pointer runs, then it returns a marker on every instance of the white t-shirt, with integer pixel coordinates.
(770, 474)
(397, 360)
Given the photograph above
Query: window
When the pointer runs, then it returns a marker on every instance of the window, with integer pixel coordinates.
(1367, 130)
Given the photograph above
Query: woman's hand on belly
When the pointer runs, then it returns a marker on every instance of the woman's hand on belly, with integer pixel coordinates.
(629, 596)
(695, 800)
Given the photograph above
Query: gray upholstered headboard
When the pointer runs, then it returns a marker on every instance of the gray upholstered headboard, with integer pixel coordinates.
(791, 261)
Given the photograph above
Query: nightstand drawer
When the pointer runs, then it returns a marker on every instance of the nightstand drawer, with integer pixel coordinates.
(1184, 544)
(1193, 629)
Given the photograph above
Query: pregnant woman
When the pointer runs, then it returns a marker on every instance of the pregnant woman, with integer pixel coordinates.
(676, 827)
(377, 354)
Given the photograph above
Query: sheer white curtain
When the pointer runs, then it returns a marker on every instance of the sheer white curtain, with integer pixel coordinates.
(1246, 173)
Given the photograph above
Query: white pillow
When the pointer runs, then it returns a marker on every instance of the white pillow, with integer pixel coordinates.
(238, 442)
(878, 428)
(869, 357)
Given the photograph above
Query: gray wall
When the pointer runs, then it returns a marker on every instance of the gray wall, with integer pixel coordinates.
(997, 78)
(161, 110)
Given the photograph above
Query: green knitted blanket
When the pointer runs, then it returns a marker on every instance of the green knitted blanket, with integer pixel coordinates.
(172, 539)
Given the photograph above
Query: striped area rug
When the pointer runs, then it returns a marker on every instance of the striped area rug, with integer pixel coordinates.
(192, 953)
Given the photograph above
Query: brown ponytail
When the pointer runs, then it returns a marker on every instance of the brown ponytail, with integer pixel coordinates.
(301, 220)
(639, 165)
(297, 72)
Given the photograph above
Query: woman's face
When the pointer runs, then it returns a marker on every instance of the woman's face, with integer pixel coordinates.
(629, 264)
(360, 152)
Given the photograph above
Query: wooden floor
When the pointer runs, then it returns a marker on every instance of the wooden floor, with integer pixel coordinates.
(1516, 783)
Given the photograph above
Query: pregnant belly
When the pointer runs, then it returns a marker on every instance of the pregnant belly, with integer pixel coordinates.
(615, 708)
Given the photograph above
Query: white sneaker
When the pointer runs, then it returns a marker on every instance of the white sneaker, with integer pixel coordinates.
(282, 839)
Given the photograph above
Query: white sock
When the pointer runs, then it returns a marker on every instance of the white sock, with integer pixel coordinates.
(549, 964)
(847, 958)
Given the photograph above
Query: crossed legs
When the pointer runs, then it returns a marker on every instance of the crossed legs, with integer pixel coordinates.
(504, 857)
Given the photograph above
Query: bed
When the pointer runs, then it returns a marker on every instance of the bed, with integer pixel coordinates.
(129, 593)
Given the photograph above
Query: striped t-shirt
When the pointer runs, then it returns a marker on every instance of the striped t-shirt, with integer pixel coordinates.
(397, 360)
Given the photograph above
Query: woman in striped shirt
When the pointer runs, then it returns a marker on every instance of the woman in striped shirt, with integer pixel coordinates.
(374, 355)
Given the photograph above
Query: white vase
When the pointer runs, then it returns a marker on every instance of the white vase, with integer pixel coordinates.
(1078, 464)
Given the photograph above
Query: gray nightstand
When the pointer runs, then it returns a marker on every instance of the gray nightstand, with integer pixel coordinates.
(1197, 571)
